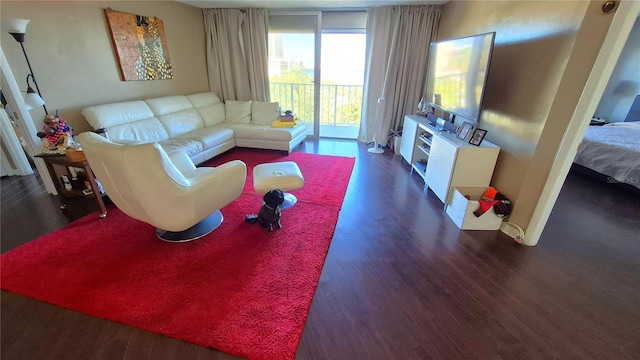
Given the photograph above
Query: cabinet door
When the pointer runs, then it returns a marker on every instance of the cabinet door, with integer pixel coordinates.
(409, 131)
(442, 160)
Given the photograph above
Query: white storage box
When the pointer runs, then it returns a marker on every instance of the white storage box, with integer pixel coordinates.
(460, 210)
(396, 144)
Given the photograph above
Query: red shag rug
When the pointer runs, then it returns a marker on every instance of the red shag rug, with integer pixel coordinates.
(240, 289)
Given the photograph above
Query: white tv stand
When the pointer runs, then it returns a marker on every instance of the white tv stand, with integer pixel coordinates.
(443, 161)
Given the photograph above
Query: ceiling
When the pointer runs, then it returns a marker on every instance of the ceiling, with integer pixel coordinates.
(305, 4)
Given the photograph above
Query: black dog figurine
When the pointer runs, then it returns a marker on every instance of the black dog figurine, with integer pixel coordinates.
(269, 213)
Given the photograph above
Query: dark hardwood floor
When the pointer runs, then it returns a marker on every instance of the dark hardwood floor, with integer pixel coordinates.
(400, 281)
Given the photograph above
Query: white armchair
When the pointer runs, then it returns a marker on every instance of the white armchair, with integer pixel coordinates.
(167, 191)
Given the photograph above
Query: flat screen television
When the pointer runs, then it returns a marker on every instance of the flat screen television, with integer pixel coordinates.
(457, 74)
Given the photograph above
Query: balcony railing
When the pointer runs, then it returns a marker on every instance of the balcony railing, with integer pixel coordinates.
(340, 105)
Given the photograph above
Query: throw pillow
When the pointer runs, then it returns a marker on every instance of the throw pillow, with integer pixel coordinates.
(238, 112)
(264, 113)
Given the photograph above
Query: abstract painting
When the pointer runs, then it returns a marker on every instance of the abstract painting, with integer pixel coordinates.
(140, 46)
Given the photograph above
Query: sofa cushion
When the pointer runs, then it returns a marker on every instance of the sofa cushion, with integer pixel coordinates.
(213, 114)
(107, 115)
(209, 106)
(264, 132)
(209, 136)
(191, 147)
(264, 113)
(176, 113)
(142, 131)
(202, 99)
(126, 122)
(238, 112)
(168, 104)
(181, 122)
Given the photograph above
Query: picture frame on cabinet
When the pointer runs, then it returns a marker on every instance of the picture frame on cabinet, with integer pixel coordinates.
(477, 137)
(465, 128)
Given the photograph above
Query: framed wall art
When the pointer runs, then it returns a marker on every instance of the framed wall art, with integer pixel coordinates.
(140, 46)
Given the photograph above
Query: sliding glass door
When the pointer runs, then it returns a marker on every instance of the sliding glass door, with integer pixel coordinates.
(342, 76)
(327, 97)
(294, 64)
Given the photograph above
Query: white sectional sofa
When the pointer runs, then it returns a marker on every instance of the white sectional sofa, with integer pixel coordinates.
(199, 124)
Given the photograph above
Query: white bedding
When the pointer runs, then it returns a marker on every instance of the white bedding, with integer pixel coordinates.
(613, 150)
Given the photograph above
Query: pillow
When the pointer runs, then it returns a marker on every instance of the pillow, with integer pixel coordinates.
(264, 113)
(238, 112)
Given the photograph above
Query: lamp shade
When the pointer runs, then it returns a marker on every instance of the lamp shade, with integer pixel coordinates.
(16, 25)
(17, 28)
(32, 99)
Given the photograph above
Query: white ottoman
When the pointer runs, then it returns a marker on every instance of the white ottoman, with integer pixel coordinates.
(283, 175)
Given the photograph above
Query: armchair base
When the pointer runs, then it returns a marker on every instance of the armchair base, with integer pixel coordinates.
(197, 231)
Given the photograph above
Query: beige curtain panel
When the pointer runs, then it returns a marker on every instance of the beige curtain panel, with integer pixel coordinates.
(397, 57)
(380, 24)
(237, 53)
(256, 34)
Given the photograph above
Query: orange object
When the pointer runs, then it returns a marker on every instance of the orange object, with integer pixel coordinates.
(490, 194)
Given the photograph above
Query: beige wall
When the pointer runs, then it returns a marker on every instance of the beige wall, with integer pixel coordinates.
(542, 57)
(71, 54)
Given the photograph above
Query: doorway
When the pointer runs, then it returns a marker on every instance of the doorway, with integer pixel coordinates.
(294, 64)
(327, 97)
(22, 118)
(15, 158)
(616, 37)
(341, 84)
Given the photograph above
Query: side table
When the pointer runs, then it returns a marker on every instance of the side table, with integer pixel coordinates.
(63, 160)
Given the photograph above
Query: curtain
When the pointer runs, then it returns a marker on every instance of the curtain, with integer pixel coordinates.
(237, 53)
(379, 35)
(396, 65)
(256, 32)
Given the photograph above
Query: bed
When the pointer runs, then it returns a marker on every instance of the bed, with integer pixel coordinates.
(613, 150)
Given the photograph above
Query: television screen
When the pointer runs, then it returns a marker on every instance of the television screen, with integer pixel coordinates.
(457, 73)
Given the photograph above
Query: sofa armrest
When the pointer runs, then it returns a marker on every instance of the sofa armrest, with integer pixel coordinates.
(181, 160)
(217, 186)
(232, 172)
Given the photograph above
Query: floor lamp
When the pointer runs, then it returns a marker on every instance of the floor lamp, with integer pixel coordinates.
(379, 108)
(18, 28)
